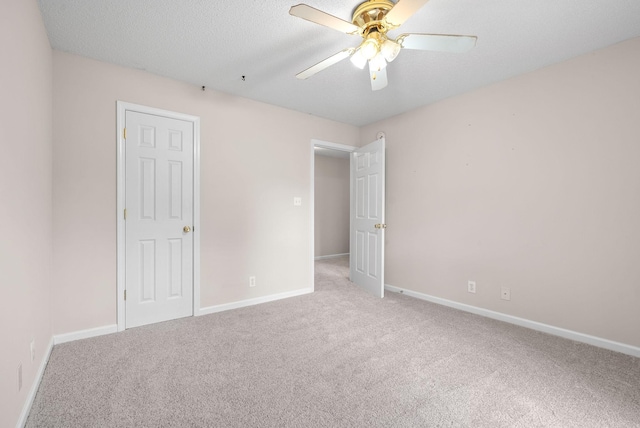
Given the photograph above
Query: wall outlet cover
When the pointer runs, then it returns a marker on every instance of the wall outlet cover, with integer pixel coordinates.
(471, 286)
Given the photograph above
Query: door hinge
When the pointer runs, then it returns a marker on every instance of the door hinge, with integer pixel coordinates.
(124, 133)
(125, 213)
(125, 294)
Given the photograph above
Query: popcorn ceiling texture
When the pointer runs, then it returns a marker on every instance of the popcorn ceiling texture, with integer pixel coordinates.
(215, 43)
(337, 358)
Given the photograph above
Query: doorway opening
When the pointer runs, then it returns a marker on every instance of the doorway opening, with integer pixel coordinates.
(331, 203)
(333, 159)
(366, 213)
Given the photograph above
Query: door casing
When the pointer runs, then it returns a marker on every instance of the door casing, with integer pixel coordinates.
(121, 109)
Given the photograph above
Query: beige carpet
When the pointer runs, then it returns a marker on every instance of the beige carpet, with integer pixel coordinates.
(336, 358)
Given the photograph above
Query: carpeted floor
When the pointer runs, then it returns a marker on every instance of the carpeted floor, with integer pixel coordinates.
(336, 358)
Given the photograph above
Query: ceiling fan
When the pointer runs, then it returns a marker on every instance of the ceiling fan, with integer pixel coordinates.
(372, 20)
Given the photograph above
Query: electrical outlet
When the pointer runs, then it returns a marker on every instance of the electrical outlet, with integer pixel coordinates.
(252, 281)
(505, 293)
(471, 286)
(297, 202)
(19, 377)
(33, 350)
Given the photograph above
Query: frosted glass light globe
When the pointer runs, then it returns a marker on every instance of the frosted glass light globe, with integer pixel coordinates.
(369, 48)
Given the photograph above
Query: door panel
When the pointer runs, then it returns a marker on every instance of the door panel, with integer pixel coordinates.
(367, 211)
(159, 203)
(175, 268)
(147, 270)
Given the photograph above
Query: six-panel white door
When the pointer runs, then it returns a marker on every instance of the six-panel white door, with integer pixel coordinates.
(159, 219)
(367, 217)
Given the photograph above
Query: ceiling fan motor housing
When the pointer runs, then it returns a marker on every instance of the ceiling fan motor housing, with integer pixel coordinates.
(369, 16)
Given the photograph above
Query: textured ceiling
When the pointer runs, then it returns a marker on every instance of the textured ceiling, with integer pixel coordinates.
(215, 43)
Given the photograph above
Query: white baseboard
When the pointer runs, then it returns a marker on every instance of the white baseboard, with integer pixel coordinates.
(534, 325)
(84, 334)
(330, 256)
(56, 340)
(22, 420)
(251, 302)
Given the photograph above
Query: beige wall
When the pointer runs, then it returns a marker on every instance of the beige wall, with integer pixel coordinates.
(331, 206)
(532, 183)
(255, 160)
(25, 190)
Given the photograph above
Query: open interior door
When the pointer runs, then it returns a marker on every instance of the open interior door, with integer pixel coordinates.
(367, 217)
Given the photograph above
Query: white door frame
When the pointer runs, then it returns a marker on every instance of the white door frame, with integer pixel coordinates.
(122, 108)
(332, 146)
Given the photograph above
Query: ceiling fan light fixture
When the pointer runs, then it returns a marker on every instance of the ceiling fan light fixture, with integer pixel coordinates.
(358, 59)
(370, 48)
(372, 20)
(390, 50)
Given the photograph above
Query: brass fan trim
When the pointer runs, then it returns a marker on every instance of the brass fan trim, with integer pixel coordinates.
(370, 14)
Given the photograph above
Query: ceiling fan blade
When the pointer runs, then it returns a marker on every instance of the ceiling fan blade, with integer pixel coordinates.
(319, 17)
(437, 42)
(334, 59)
(403, 11)
(378, 78)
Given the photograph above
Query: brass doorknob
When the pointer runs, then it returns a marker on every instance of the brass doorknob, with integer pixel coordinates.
(186, 229)
(380, 226)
